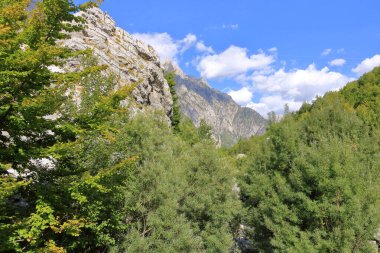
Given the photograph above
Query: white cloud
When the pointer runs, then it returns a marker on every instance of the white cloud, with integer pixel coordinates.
(231, 26)
(201, 47)
(293, 87)
(163, 43)
(273, 50)
(367, 65)
(276, 88)
(187, 42)
(274, 103)
(337, 62)
(232, 62)
(167, 48)
(300, 84)
(242, 96)
(326, 52)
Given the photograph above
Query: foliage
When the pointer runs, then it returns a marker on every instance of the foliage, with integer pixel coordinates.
(363, 95)
(176, 113)
(85, 176)
(181, 199)
(312, 182)
(29, 92)
(90, 4)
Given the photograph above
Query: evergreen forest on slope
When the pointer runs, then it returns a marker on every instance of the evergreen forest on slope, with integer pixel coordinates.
(82, 175)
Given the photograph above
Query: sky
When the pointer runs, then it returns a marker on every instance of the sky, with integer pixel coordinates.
(263, 53)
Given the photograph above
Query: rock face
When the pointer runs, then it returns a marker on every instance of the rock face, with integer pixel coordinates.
(131, 60)
(229, 121)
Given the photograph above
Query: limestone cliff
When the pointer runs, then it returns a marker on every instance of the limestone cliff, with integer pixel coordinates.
(229, 121)
(131, 60)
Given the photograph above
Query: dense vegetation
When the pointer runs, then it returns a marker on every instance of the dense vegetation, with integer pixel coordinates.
(311, 183)
(79, 174)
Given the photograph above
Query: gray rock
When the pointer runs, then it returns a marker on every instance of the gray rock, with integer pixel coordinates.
(229, 121)
(131, 60)
(241, 156)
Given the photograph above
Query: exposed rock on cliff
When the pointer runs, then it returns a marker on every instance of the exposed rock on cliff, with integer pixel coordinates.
(229, 121)
(128, 58)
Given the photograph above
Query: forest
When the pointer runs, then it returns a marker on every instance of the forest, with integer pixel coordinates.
(78, 173)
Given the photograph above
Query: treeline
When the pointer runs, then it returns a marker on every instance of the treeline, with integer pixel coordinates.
(312, 182)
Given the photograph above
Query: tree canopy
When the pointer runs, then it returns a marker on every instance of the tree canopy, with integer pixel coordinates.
(311, 183)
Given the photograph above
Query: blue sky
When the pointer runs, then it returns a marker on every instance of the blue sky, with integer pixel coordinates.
(264, 53)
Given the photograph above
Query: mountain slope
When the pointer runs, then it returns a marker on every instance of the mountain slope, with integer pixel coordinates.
(229, 121)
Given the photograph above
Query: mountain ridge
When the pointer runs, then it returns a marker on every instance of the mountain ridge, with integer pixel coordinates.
(229, 121)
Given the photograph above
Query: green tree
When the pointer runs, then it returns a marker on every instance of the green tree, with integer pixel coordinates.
(311, 183)
(181, 199)
(272, 117)
(286, 109)
(204, 130)
(176, 113)
(31, 127)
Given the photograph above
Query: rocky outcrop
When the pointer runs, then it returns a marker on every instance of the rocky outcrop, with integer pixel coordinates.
(229, 121)
(131, 60)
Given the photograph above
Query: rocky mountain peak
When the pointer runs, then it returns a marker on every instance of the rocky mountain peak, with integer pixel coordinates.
(199, 101)
(171, 67)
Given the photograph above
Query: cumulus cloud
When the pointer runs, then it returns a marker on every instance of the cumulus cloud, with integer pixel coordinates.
(187, 42)
(276, 87)
(326, 52)
(367, 65)
(201, 47)
(273, 50)
(242, 96)
(232, 62)
(273, 88)
(337, 62)
(289, 87)
(300, 84)
(275, 103)
(167, 48)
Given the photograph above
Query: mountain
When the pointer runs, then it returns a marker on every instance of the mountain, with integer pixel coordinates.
(229, 121)
(131, 60)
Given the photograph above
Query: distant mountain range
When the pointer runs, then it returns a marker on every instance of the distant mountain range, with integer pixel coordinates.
(229, 121)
